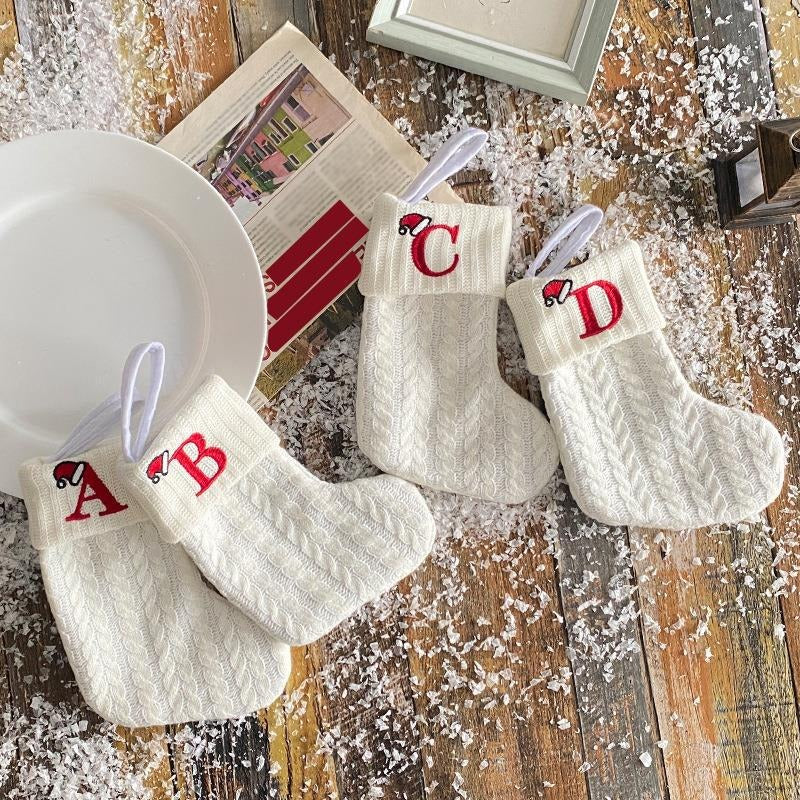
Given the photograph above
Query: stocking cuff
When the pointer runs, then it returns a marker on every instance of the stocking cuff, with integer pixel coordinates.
(78, 497)
(436, 248)
(201, 453)
(584, 309)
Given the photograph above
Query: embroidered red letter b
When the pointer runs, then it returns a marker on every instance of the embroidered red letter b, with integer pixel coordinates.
(591, 325)
(192, 466)
(418, 250)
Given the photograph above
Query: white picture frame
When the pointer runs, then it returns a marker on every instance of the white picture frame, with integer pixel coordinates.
(568, 77)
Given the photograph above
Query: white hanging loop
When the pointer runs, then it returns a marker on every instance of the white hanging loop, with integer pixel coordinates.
(129, 374)
(566, 242)
(451, 157)
(117, 408)
(93, 428)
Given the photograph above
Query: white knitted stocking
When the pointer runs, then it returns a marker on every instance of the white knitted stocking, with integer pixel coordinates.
(638, 446)
(432, 406)
(148, 641)
(296, 554)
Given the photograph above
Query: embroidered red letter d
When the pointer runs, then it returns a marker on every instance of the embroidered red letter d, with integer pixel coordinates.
(92, 488)
(591, 325)
(192, 465)
(418, 250)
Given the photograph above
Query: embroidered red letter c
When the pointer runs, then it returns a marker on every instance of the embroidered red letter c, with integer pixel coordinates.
(418, 250)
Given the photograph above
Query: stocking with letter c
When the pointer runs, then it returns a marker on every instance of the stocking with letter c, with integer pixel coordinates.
(431, 404)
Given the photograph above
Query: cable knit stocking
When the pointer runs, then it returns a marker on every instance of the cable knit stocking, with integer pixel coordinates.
(639, 447)
(148, 641)
(432, 407)
(296, 554)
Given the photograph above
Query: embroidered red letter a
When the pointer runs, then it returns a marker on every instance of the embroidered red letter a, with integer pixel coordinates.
(93, 488)
(591, 325)
(192, 465)
(418, 250)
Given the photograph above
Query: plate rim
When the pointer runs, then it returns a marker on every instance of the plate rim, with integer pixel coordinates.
(9, 482)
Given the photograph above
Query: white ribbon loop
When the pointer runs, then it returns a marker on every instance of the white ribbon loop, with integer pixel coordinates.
(129, 374)
(451, 157)
(93, 428)
(566, 242)
(117, 408)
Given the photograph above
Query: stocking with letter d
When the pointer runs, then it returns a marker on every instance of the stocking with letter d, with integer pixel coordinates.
(638, 446)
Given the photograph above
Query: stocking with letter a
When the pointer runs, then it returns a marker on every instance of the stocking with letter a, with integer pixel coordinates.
(149, 641)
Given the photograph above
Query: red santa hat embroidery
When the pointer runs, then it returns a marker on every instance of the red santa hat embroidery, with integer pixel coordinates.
(556, 291)
(158, 467)
(68, 472)
(413, 224)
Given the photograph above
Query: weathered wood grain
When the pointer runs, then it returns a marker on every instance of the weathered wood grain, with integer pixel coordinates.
(721, 681)
(200, 52)
(782, 25)
(37, 21)
(37, 667)
(8, 28)
(770, 258)
(639, 75)
(371, 704)
(521, 735)
(732, 43)
(254, 21)
(8, 779)
(296, 724)
(617, 718)
(147, 753)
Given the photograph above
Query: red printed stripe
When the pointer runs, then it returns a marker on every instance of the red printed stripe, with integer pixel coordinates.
(311, 304)
(306, 277)
(333, 220)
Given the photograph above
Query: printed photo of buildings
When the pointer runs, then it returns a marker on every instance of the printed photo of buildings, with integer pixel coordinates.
(286, 129)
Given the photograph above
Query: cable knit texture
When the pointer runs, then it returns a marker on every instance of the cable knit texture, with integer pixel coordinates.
(297, 554)
(431, 404)
(149, 642)
(638, 446)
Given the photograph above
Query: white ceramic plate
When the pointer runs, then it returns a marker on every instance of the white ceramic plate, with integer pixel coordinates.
(106, 242)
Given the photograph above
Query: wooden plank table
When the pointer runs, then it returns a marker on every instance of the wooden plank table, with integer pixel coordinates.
(565, 660)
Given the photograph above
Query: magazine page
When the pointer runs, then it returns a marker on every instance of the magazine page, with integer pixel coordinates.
(299, 155)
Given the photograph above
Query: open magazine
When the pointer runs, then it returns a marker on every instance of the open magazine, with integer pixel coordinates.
(300, 156)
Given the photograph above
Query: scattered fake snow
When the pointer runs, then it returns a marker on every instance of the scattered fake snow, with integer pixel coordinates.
(483, 660)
